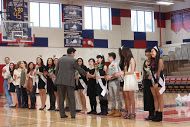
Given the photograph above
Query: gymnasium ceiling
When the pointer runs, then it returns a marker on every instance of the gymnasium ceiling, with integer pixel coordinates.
(145, 2)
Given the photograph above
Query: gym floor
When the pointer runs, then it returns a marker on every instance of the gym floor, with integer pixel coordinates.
(173, 116)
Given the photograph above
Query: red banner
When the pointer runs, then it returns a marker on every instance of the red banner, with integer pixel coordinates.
(186, 19)
(176, 20)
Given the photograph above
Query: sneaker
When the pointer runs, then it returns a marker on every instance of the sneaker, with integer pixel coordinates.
(6, 105)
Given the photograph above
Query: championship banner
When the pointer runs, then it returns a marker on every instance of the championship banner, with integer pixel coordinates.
(186, 19)
(18, 11)
(72, 25)
(176, 20)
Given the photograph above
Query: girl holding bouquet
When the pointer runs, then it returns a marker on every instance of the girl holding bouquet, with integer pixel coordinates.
(82, 84)
(41, 81)
(31, 85)
(147, 83)
(91, 89)
(12, 85)
(101, 73)
(50, 86)
(130, 81)
(158, 88)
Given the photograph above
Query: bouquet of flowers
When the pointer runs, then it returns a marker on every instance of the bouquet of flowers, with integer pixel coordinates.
(148, 70)
(98, 66)
(76, 73)
(9, 76)
(112, 67)
(50, 71)
(37, 67)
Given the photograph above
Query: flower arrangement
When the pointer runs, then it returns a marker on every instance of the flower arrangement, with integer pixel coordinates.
(112, 67)
(148, 70)
(9, 76)
(76, 73)
(98, 66)
(37, 67)
(50, 71)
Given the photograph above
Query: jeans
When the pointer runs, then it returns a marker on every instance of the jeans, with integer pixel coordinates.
(20, 95)
(33, 97)
(114, 91)
(9, 100)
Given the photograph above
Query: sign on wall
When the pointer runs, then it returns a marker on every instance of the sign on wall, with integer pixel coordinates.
(176, 20)
(186, 19)
(17, 11)
(72, 25)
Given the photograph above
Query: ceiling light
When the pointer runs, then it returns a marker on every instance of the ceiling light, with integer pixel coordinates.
(164, 3)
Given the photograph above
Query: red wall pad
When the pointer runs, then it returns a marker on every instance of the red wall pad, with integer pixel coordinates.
(139, 44)
(125, 13)
(116, 21)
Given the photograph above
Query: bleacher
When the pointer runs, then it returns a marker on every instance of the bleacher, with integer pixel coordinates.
(177, 70)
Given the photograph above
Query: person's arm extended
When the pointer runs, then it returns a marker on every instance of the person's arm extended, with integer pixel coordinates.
(80, 70)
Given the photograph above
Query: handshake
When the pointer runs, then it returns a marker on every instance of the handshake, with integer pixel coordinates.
(116, 75)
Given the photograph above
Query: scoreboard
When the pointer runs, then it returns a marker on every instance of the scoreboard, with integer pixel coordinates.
(16, 13)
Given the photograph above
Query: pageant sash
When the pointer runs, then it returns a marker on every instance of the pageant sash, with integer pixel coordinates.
(162, 83)
(83, 84)
(42, 77)
(104, 88)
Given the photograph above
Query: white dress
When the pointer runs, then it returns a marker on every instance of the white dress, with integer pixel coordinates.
(130, 81)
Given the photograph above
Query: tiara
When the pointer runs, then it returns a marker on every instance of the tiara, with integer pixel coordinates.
(79, 57)
(101, 54)
(122, 47)
(40, 56)
(156, 48)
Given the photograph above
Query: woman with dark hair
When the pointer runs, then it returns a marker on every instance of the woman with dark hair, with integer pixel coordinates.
(22, 82)
(55, 87)
(130, 81)
(82, 84)
(121, 65)
(158, 88)
(101, 73)
(31, 85)
(11, 83)
(50, 87)
(147, 94)
(41, 81)
(91, 87)
(16, 78)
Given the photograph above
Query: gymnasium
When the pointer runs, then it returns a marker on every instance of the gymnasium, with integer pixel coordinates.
(46, 29)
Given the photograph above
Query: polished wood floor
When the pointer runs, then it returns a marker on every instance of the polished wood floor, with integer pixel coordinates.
(173, 116)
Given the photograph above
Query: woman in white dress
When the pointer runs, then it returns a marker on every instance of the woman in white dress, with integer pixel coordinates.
(130, 81)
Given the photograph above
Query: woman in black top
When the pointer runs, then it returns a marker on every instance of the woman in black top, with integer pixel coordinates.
(50, 86)
(148, 97)
(40, 68)
(157, 89)
(12, 86)
(121, 65)
(91, 86)
(82, 82)
(103, 72)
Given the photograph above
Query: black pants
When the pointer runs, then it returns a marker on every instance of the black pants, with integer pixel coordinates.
(33, 97)
(24, 92)
(93, 102)
(52, 98)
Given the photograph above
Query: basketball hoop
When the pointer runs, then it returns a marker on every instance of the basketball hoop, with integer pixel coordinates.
(20, 43)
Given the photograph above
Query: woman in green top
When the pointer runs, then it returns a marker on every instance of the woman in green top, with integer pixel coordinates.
(22, 83)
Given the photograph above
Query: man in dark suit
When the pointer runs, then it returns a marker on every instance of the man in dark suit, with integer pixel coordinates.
(65, 81)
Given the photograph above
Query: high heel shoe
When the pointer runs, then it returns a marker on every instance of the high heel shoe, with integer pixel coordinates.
(12, 106)
(43, 108)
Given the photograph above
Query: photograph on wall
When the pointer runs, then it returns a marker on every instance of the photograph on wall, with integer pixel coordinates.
(186, 19)
(176, 21)
(73, 39)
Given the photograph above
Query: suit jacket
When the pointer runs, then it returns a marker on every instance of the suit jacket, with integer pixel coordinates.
(65, 71)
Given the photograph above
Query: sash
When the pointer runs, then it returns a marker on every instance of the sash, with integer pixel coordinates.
(162, 83)
(104, 88)
(83, 84)
(42, 77)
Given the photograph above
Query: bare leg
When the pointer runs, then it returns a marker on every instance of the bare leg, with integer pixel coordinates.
(156, 104)
(57, 99)
(160, 99)
(128, 102)
(83, 100)
(132, 101)
(43, 98)
(13, 99)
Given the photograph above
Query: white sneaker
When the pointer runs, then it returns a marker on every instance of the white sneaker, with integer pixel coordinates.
(3, 97)
(6, 105)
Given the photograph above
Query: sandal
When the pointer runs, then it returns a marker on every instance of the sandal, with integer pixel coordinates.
(133, 116)
(125, 113)
(128, 116)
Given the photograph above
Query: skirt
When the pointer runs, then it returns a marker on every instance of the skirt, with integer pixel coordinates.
(12, 88)
(130, 83)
